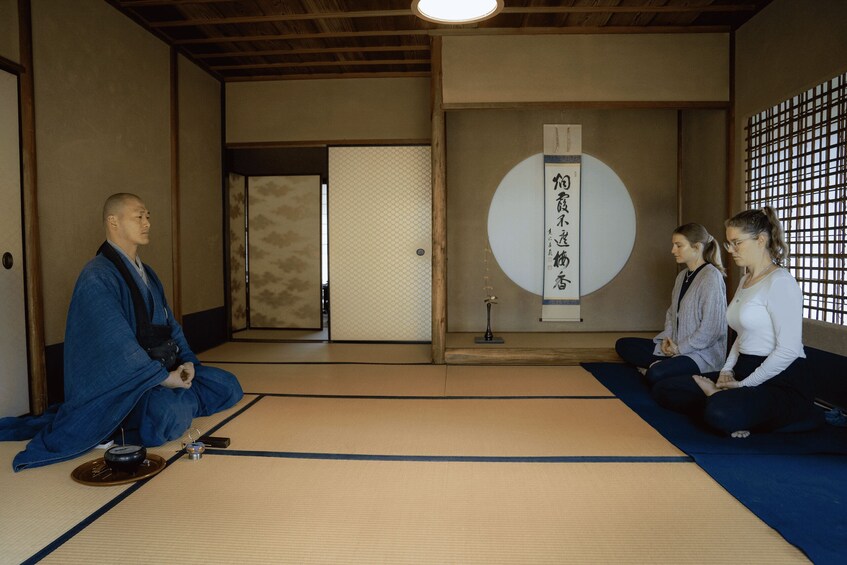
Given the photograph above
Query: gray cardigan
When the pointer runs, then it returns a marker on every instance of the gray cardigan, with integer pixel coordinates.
(701, 332)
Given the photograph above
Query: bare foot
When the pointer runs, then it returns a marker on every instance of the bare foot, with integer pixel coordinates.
(706, 385)
(642, 370)
(740, 434)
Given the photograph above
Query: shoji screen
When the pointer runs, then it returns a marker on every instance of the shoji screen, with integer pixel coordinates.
(380, 241)
(284, 252)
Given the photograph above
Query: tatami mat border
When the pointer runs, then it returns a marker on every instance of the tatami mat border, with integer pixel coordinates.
(91, 518)
(266, 340)
(233, 416)
(456, 458)
(395, 397)
(58, 542)
(216, 362)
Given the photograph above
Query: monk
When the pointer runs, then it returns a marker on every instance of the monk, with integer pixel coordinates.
(128, 367)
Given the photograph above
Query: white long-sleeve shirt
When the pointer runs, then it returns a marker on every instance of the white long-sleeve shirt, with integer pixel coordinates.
(768, 317)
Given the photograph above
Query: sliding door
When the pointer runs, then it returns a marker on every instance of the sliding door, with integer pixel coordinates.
(14, 380)
(380, 269)
(284, 252)
(236, 188)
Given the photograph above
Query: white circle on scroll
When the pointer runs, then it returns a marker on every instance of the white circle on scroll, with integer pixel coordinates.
(516, 224)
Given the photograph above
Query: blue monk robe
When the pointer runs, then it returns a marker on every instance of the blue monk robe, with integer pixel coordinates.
(111, 382)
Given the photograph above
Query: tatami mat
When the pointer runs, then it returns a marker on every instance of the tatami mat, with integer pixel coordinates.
(415, 380)
(38, 505)
(490, 428)
(319, 353)
(468, 380)
(202, 425)
(355, 379)
(260, 510)
(573, 477)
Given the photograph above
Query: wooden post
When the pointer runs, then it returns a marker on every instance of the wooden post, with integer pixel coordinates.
(732, 272)
(32, 247)
(176, 303)
(439, 212)
(680, 165)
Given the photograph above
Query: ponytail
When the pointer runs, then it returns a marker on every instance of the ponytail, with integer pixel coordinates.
(776, 243)
(696, 233)
(712, 254)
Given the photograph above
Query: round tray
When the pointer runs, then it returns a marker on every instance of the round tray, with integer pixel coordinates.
(97, 473)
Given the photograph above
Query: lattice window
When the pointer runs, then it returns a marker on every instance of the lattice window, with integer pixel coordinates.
(797, 163)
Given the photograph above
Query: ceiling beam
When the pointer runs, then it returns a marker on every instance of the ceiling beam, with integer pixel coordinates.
(720, 8)
(316, 51)
(391, 74)
(465, 31)
(308, 64)
(283, 18)
(297, 36)
(134, 3)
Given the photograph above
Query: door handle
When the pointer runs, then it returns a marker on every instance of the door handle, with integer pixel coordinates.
(8, 261)
(420, 252)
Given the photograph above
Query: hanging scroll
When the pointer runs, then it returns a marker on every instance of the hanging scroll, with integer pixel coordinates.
(562, 174)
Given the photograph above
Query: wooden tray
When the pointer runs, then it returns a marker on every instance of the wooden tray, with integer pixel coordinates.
(97, 473)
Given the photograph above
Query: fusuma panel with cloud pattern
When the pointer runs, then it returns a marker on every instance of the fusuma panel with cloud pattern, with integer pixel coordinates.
(237, 252)
(284, 251)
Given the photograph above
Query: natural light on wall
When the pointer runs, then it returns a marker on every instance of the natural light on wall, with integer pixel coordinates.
(455, 11)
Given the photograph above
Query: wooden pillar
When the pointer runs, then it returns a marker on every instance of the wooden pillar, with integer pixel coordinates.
(680, 164)
(439, 211)
(732, 272)
(176, 303)
(32, 242)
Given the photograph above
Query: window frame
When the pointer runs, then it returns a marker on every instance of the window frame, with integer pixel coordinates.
(796, 162)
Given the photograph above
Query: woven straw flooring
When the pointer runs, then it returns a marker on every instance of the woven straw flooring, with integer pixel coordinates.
(393, 463)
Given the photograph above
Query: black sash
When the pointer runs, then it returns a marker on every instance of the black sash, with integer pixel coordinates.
(155, 339)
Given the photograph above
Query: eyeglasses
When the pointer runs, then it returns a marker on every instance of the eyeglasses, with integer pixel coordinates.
(733, 245)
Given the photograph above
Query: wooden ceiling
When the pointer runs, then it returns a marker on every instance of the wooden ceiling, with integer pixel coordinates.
(239, 40)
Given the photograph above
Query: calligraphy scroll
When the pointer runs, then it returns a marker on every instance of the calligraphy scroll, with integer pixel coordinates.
(562, 176)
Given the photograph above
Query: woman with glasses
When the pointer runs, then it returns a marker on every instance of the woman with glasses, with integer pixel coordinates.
(762, 385)
(694, 338)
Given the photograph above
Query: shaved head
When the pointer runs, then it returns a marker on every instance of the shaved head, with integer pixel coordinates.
(115, 203)
(126, 221)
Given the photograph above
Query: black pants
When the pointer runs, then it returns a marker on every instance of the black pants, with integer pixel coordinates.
(782, 403)
(639, 352)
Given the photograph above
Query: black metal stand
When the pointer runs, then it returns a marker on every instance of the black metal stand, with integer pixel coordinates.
(489, 335)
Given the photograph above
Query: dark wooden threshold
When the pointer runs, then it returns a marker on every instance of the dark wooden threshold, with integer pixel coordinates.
(543, 348)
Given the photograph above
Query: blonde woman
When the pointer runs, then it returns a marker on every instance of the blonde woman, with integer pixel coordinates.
(762, 385)
(694, 338)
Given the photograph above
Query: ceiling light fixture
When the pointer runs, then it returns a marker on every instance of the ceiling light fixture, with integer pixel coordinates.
(456, 11)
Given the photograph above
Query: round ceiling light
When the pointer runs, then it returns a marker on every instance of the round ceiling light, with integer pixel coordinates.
(456, 11)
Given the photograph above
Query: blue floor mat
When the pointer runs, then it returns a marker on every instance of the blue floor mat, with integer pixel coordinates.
(803, 497)
(796, 483)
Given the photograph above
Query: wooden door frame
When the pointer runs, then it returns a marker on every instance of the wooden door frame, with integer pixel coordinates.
(34, 301)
